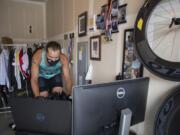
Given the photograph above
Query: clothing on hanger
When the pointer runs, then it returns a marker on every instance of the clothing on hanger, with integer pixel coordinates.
(15, 72)
(4, 57)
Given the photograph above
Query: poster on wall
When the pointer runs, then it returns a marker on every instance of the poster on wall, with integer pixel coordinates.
(114, 12)
(100, 21)
(112, 22)
(122, 14)
(114, 16)
(131, 67)
(82, 24)
(95, 48)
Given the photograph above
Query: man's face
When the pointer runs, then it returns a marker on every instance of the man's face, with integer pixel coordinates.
(53, 56)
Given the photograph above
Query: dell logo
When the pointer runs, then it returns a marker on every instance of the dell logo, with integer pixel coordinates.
(121, 93)
(40, 117)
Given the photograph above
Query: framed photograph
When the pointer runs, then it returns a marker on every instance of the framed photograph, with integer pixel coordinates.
(131, 66)
(100, 22)
(114, 25)
(114, 16)
(114, 12)
(95, 48)
(104, 10)
(122, 14)
(82, 24)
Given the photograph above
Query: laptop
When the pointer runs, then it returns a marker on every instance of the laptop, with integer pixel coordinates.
(42, 116)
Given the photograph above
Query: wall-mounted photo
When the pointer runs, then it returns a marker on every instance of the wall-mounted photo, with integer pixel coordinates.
(114, 16)
(95, 48)
(114, 25)
(82, 24)
(100, 22)
(131, 66)
(114, 12)
(104, 10)
(122, 14)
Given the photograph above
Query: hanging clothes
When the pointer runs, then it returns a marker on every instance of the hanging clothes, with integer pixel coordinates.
(11, 71)
(30, 55)
(4, 58)
(24, 63)
(19, 69)
(15, 66)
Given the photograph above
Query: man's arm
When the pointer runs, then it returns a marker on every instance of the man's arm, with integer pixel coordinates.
(35, 73)
(66, 74)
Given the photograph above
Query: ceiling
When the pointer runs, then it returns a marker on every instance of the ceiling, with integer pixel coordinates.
(39, 0)
(43, 1)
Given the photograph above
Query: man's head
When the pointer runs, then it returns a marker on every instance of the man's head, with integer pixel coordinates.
(53, 50)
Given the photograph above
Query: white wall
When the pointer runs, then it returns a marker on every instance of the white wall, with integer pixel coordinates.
(17, 16)
(60, 18)
(54, 18)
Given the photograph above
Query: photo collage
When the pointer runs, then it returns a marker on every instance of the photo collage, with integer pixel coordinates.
(118, 16)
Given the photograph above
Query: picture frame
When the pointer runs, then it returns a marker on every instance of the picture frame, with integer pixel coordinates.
(114, 25)
(100, 20)
(95, 48)
(131, 66)
(122, 14)
(114, 16)
(114, 11)
(82, 24)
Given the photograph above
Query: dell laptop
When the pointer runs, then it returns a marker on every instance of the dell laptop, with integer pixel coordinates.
(48, 117)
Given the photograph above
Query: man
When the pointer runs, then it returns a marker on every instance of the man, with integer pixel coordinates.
(49, 66)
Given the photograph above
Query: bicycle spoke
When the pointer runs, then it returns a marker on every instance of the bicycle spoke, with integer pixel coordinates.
(165, 10)
(158, 29)
(163, 32)
(167, 18)
(173, 11)
(157, 38)
(159, 23)
(160, 41)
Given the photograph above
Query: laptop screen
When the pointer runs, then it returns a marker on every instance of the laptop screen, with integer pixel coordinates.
(42, 116)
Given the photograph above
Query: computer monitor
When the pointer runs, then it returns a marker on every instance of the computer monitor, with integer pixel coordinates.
(97, 108)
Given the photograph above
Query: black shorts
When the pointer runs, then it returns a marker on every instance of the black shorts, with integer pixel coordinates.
(49, 84)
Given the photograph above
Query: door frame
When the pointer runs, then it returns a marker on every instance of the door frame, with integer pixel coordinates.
(85, 43)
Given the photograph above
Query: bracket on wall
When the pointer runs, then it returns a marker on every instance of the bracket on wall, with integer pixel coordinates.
(30, 29)
(65, 36)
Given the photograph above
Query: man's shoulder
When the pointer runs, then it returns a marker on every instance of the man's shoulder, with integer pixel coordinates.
(38, 53)
(63, 58)
(37, 56)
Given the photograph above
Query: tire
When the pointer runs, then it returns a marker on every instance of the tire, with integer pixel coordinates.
(165, 69)
(168, 117)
